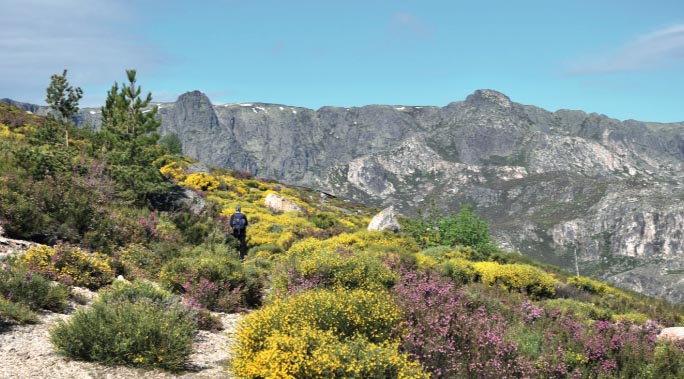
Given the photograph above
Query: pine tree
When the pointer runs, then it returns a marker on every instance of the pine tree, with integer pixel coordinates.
(63, 98)
(125, 121)
(130, 140)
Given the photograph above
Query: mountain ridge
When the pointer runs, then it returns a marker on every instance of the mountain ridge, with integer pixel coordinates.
(549, 183)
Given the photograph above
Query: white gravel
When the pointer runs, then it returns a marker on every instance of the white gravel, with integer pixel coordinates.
(26, 353)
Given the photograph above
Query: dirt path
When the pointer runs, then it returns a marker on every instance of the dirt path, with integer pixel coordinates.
(26, 353)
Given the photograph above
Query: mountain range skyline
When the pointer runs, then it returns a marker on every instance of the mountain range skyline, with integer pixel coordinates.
(622, 59)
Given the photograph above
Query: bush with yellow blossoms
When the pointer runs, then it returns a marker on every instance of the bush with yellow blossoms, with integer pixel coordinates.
(521, 277)
(201, 181)
(323, 334)
(340, 269)
(69, 265)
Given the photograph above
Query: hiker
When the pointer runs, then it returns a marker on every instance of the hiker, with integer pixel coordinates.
(238, 222)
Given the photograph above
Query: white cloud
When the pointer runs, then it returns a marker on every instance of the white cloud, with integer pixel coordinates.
(94, 40)
(661, 49)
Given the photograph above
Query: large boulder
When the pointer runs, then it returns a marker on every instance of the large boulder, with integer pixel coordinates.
(385, 220)
(178, 198)
(277, 203)
(672, 334)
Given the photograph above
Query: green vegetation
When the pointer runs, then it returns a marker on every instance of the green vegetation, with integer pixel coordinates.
(324, 297)
(63, 98)
(130, 324)
(465, 228)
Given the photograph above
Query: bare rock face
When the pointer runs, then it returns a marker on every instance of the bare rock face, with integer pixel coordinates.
(277, 203)
(385, 220)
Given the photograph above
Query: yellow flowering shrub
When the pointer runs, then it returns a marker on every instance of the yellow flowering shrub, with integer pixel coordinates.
(426, 261)
(306, 247)
(314, 353)
(8, 135)
(174, 170)
(516, 276)
(350, 270)
(323, 334)
(70, 265)
(362, 240)
(371, 314)
(633, 317)
(459, 269)
(201, 181)
(594, 286)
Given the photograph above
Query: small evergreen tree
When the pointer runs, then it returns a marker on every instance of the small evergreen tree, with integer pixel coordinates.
(130, 140)
(126, 123)
(63, 98)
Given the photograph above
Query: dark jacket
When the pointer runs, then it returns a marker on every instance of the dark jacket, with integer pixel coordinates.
(233, 221)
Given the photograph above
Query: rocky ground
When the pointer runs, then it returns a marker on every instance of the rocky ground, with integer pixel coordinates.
(26, 353)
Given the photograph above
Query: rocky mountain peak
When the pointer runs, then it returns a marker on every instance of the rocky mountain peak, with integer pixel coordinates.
(194, 100)
(195, 105)
(488, 97)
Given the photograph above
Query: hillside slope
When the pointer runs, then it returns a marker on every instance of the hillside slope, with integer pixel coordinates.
(551, 183)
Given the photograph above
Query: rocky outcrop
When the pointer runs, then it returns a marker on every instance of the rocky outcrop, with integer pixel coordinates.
(385, 220)
(277, 203)
(9, 247)
(672, 334)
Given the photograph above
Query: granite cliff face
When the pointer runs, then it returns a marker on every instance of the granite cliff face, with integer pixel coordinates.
(551, 184)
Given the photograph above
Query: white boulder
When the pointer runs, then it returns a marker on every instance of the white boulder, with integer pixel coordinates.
(385, 220)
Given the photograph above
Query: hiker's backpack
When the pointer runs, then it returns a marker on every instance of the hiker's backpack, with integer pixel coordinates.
(239, 222)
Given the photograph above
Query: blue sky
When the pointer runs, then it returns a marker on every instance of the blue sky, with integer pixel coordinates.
(623, 58)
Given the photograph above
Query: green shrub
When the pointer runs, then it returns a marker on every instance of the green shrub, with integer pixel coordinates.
(11, 312)
(267, 250)
(668, 362)
(214, 280)
(130, 324)
(465, 229)
(324, 220)
(138, 334)
(631, 317)
(350, 270)
(138, 261)
(579, 308)
(144, 291)
(137, 291)
(32, 290)
(23, 218)
(440, 253)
